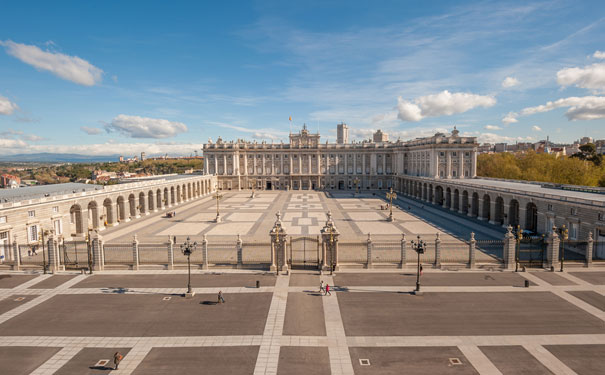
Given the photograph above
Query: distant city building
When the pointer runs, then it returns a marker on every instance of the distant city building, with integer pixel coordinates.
(380, 137)
(8, 181)
(121, 159)
(143, 156)
(500, 147)
(342, 133)
(585, 140)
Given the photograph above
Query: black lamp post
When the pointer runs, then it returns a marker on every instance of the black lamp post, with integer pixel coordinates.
(564, 237)
(419, 247)
(188, 248)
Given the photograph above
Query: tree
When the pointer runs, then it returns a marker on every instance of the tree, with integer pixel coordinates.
(588, 152)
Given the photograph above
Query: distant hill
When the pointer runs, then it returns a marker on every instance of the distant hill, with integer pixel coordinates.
(59, 158)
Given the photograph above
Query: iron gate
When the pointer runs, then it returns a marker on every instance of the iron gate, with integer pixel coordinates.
(74, 254)
(304, 252)
(530, 251)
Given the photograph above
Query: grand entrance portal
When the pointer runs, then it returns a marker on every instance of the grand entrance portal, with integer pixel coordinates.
(304, 252)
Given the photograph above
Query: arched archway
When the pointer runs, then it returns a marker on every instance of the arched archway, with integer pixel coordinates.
(513, 213)
(93, 215)
(485, 214)
(465, 202)
(431, 197)
(475, 205)
(448, 198)
(456, 200)
(531, 220)
(158, 200)
(132, 207)
(150, 201)
(189, 193)
(499, 218)
(178, 194)
(439, 195)
(108, 214)
(143, 203)
(184, 193)
(75, 213)
(172, 196)
(121, 205)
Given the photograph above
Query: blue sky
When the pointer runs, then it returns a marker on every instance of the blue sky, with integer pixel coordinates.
(125, 77)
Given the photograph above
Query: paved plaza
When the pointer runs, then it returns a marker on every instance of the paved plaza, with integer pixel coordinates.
(464, 323)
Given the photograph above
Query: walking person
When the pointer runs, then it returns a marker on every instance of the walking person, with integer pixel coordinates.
(327, 290)
(321, 287)
(117, 358)
(220, 297)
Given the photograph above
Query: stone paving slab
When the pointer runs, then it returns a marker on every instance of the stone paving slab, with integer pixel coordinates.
(176, 280)
(84, 362)
(583, 359)
(454, 314)
(305, 279)
(143, 315)
(52, 282)
(430, 279)
(12, 280)
(304, 315)
(592, 298)
(514, 360)
(18, 360)
(552, 278)
(303, 360)
(410, 361)
(13, 301)
(595, 278)
(208, 360)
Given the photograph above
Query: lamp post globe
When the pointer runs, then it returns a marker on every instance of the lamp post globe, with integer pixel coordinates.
(187, 249)
(418, 246)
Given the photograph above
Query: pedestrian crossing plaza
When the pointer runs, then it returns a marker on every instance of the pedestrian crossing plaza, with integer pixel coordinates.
(370, 322)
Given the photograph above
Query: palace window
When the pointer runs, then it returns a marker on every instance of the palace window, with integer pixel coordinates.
(32, 233)
(574, 211)
(2, 219)
(550, 207)
(55, 209)
(31, 213)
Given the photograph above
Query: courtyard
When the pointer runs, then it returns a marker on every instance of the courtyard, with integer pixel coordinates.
(466, 322)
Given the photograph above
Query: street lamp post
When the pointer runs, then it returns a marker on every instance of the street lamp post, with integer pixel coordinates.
(518, 247)
(331, 242)
(89, 246)
(44, 232)
(187, 249)
(356, 182)
(217, 196)
(419, 247)
(564, 237)
(390, 196)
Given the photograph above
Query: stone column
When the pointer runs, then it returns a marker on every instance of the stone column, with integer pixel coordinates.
(589, 250)
(403, 260)
(435, 163)
(16, 255)
(355, 164)
(471, 251)
(460, 201)
(492, 211)
(263, 170)
(284, 267)
(239, 248)
(369, 252)
(135, 253)
(273, 266)
(205, 253)
(224, 164)
(336, 260)
(170, 248)
(552, 249)
(363, 163)
(53, 256)
(508, 253)
(98, 261)
(448, 164)
(245, 163)
(437, 252)
(461, 165)
(216, 164)
(473, 164)
(324, 253)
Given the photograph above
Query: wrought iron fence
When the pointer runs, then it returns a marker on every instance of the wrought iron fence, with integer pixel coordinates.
(386, 252)
(493, 249)
(454, 252)
(350, 252)
(256, 252)
(575, 250)
(31, 254)
(74, 254)
(153, 253)
(222, 252)
(118, 253)
(598, 251)
(6, 253)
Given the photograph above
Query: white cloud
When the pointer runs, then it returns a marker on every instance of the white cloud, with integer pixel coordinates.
(6, 106)
(443, 103)
(590, 77)
(510, 118)
(495, 138)
(32, 138)
(17, 146)
(536, 128)
(71, 68)
(11, 143)
(145, 127)
(255, 133)
(510, 82)
(580, 108)
(90, 131)
(599, 55)
(492, 127)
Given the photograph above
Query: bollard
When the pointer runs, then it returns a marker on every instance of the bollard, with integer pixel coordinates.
(257, 284)
(527, 283)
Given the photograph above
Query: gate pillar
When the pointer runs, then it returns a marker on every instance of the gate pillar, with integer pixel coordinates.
(97, 252)
(329, 235)
(471, 251)
(509, 249)
(552, 249)
(589, 249)
(53, 256)
(278, 246)
(16, 255)
(403, 260)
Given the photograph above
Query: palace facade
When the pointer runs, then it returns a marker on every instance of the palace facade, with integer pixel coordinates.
(305, 163)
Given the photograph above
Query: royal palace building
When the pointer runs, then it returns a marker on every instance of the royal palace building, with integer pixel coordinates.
(305, 163)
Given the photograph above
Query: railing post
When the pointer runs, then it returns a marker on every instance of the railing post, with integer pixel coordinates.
(471, 251)
(16, 256)
(508, 253)
(336, 257)
(589, 250)
(437, 251)
(135, 253)
(273, 266)
(170, 247)
(552, 249)
(53, 259)
(205, 253)
(239, 248)
(403, 260)
(98, 263)
(369, 252)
